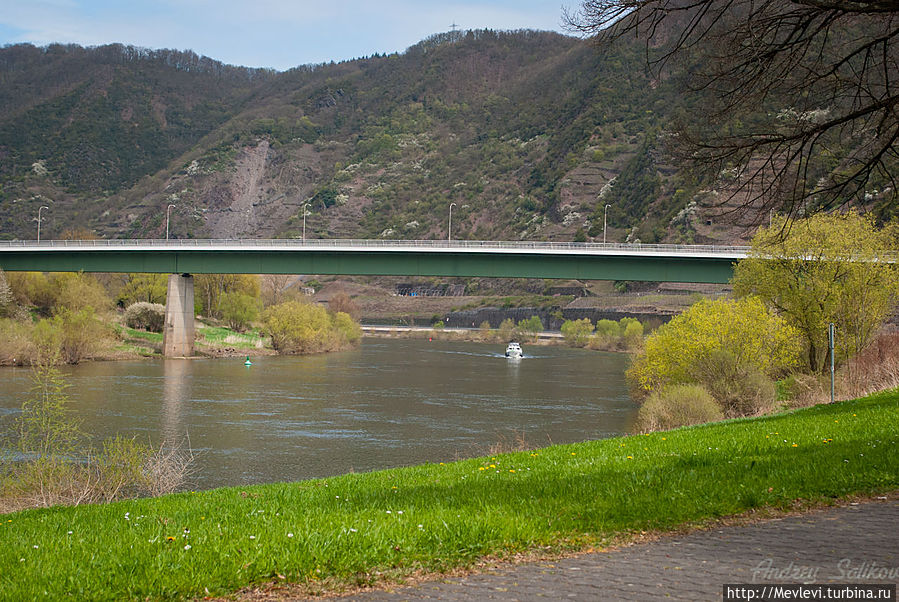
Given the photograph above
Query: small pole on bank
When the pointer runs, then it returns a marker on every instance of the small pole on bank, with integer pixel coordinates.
(831, 338)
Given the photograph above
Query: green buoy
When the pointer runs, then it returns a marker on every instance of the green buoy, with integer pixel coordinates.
(248, 362)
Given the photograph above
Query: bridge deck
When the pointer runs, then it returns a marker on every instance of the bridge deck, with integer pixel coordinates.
(588, 261)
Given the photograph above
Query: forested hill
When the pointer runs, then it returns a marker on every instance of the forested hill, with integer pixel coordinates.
(524, 131)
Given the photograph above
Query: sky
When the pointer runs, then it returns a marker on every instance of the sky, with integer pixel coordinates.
(278, 34)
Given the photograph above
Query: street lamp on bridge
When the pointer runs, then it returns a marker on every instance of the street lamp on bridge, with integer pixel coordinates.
(304, 220)
(167, 210)
(604, 212)
(449, 234)
(42, 207)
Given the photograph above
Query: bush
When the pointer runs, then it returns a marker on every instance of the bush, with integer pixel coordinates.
(239, 309)
(82, 335)
(675, 406)
(145, 316)
(577, 332)
(741, 390)
(531, 327)
(346, 327)
(506, 329)
(744, 328)
(78, 291)
(341, 302)
(16, 345)
(298, 327)
(633, 333)
(59, 470)
(608, 328)
(6, 297)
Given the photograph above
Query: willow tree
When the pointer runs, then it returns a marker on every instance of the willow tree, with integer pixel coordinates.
(827, 268)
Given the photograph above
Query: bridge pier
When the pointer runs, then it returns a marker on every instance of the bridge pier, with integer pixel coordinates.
(178, 331)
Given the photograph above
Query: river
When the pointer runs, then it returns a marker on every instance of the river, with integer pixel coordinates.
(391, 402)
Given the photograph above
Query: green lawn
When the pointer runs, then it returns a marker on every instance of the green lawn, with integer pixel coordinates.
(347, 529)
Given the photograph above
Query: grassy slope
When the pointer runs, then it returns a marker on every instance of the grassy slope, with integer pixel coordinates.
(346, 529)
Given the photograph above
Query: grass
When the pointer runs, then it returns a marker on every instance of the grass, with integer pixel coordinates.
(361, 528)
(218, 336)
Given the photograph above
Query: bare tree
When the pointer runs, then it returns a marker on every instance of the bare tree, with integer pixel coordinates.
(795, 102)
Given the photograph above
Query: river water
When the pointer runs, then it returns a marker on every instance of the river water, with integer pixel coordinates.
(389, 403)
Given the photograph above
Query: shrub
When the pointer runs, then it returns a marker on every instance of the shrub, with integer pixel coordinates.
(608, 328)
(299, 327)
(740, 389)
(145, 316)
(577, 332)
(633, 334)
(744, 328)
(16, 344)
(32, 288)
(341, 302)
(506, 329)
(531, 327)
(874, 369)
(346, 327)
(82, 335)
(6, 297)
(675, 406)
(78, 291)
(239, 309)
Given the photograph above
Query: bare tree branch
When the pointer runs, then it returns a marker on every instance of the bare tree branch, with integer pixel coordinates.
(776, 87)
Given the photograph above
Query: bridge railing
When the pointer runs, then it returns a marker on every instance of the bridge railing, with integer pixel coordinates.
(203, 243)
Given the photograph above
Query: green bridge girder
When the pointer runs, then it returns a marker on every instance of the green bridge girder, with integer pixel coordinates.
(663, 263)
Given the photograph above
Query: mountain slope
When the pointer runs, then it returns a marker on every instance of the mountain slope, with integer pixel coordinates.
(530, 134)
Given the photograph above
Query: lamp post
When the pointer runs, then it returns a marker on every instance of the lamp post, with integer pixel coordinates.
(304, 220)
(604, 212)
(167, 211)
(449, 235)
(41, 208)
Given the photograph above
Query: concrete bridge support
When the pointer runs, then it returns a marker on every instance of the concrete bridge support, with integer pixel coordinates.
(178, 332)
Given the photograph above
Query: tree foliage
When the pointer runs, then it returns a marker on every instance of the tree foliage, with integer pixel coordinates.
(779, 89)
(209, 289)
(820, 270)
(299, 327)
(577, 332)
(239, 309)
(149, 288)
(744, 328)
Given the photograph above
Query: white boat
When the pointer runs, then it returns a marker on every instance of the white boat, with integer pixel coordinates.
(514, 350)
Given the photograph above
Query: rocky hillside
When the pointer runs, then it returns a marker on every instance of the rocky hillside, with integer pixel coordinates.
(530, 134)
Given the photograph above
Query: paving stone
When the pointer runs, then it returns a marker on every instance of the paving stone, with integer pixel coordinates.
(819, 547)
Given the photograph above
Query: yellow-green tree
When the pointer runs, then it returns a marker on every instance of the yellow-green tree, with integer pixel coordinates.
(300, 327)
(577, 332)
(744, 328)
(827, 268)
(209, 289)
(149, 288)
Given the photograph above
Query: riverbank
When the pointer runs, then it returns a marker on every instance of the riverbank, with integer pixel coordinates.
(357, 530)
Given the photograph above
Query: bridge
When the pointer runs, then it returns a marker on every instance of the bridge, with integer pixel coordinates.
(183, 257)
